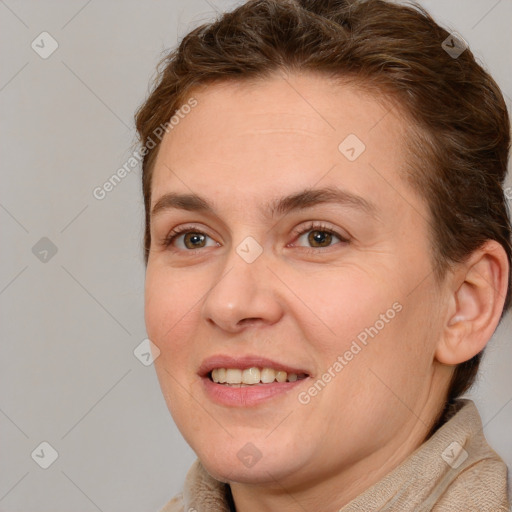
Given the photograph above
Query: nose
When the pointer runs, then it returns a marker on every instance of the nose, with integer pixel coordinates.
(246, 294)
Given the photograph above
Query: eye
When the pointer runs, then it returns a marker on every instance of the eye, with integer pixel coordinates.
(319, 236)
(187, 238)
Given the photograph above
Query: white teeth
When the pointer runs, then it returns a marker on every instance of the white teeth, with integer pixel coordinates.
(250, 376)
(233, 376)
(219, 375)
(268, 375)
(281, 376)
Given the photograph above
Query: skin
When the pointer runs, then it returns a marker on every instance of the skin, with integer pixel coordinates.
(241, 146)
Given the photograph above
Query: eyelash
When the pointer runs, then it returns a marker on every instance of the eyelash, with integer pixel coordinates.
(312, 226)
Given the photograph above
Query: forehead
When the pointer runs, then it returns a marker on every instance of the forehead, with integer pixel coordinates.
(280, 135)
(309, 105)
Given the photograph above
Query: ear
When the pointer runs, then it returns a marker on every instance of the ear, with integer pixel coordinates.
(478, 291)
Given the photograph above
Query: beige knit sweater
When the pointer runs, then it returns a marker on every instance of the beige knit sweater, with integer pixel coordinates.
(455, 470)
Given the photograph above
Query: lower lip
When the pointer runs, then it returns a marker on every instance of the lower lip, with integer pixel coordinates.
(247, 396)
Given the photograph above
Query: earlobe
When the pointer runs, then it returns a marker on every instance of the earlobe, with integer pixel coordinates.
(478, 295)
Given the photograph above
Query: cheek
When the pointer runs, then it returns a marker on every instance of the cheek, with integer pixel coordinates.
(168, 312)
(168, 299)
(166, 304)
(155, 307)
(342, 304)
(378, 331)
(397, 362)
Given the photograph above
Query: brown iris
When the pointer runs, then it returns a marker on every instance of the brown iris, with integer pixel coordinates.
(319, 237)
(193, 238)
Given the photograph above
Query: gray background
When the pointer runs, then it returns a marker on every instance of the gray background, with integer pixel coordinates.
(69, 324)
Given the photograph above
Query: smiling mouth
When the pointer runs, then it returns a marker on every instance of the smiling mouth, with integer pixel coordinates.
(252, 376)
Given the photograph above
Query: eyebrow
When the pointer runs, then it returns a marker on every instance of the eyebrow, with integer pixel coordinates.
(307, 198)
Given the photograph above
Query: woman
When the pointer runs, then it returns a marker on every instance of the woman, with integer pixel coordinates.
(328, 251)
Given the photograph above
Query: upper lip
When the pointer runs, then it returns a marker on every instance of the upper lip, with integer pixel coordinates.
(242, 362)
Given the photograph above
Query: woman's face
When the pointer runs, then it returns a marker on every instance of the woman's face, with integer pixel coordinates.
(303, 251)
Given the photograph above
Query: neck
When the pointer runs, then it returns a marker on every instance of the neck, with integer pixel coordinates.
(330, 492)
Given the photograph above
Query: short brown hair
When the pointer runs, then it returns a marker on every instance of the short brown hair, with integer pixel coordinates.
(460, 138)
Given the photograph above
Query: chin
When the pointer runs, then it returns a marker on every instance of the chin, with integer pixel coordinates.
(258, 474)
(249, 465)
